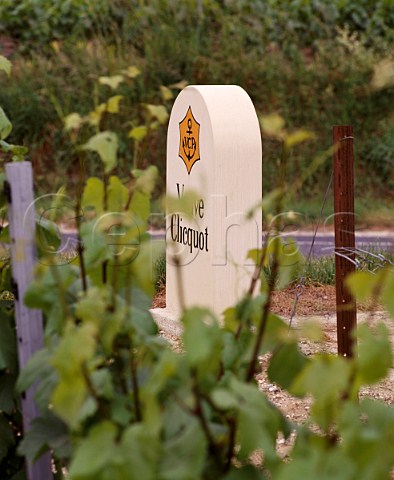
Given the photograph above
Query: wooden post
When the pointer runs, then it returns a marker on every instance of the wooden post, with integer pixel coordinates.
(344, 237)
(29, 325)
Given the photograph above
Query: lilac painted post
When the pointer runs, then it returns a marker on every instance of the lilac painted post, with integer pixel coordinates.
(29, 324)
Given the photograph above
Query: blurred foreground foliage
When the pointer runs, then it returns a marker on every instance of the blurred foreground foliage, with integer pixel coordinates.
(314, 62)
(118, 402)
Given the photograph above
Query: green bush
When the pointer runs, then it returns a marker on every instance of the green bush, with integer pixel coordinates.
(42, 21)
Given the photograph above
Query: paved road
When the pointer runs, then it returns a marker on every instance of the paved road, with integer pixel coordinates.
(324, 243)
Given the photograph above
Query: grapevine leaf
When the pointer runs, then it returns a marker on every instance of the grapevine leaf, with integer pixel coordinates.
(117, 195)
(375, 355)
(132, 71)
(112, 82)
(5, 65)
(184, 453)
(362, 284)
(138, 133)
(94, 453)
(159, 112)
(45, 432)
(272, 125)
(93, 194)
(113, 104)
(72, 121)
(202, 338)
(105, 144)
(5, 125)
(387, 293)
(258, 421)
(75, 348)
(297, 137)
(146, 448)
(36, 368)
(326, 378)
(286, 363)
(166, 93)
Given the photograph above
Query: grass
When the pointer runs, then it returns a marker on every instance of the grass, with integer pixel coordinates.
(319, 271)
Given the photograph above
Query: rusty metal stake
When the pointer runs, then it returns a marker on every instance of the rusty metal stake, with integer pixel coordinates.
(344, 237)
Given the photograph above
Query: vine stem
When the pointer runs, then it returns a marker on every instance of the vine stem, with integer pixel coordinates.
(132, 360)
(199, 413)
(78, 216)
(91, 389)
(134, 380)
(267, 306)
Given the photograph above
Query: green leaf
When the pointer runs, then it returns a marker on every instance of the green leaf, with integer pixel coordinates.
(46, 432)
(362, 284)
(72, 121)
(375, 356)
(112, 82)
(92, 306)
(179, 85)
(202, 338)
(18, 151)
(367, 437)
(117, 195)
(94, 117)
(255, 255)
(106, 145)
(102, 382)
(93, 194)
(132, 71)
(327, 378)
(94, 453)
(146, 448)
(36, 368)
(5, 65)
(43, 292)
(288, 258)
(258, 422)
(276, 333)
(138, 133)
(95, 246)
(166, 93)
(184, 205)
(113, 103)
(184, 454)
(387, 277)
(272, 125)
(47, 235)
(159, 112)
(146, 179)
(286, 363)
(319, 464)
(5, 125)
(224, 399)
(297, 137)
(231, 321)
(75, 348)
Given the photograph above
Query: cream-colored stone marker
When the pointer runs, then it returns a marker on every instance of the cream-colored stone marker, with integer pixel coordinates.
(213, 149)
